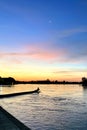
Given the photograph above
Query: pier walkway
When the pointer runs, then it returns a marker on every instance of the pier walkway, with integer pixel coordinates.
(8, 122)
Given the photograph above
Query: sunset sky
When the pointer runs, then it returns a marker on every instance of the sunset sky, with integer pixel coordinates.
(43, 39)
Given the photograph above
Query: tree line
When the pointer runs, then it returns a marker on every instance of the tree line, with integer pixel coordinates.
(11, 80)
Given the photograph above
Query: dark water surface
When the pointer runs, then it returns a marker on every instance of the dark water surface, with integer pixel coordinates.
(57, 107)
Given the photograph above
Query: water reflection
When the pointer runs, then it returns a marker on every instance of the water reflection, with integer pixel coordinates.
(61, 90)
(57, 106)
(7, 89)
(6, 85)
(84, 90)
(84, 87)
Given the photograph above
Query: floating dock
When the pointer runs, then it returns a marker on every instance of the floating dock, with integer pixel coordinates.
(9, 122)
(20, 93)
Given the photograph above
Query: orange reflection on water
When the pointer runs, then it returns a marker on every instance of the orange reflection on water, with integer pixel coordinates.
(5, 89)
(46, 89)
(61, 90)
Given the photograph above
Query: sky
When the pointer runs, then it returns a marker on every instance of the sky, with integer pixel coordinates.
(43, 39)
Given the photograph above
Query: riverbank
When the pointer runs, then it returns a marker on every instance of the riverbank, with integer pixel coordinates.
(8, 122)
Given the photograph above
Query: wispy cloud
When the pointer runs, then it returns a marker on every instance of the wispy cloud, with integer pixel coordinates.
(75, 47)
(16, 61)
(70, 71)
(47, 52)
(77, 54)
(69, 32)
(41, 55)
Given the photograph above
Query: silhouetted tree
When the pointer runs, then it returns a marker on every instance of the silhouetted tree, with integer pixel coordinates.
(84, 81)
(7, 81)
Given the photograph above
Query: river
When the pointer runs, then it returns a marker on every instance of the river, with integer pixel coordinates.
(56, 107)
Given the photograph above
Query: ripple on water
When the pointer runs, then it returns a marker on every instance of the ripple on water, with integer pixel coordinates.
(63, 109)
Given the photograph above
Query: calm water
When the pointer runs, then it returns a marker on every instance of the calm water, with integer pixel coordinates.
(57, 107)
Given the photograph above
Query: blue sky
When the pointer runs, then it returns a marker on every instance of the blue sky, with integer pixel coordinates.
(42, 39)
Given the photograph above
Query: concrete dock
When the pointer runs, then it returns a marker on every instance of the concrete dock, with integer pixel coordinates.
(19, 93)
(8, 122)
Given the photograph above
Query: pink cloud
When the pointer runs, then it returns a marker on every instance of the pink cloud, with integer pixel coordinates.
(37, 52)
(45, 55)
(44, 51)
(16, 61)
